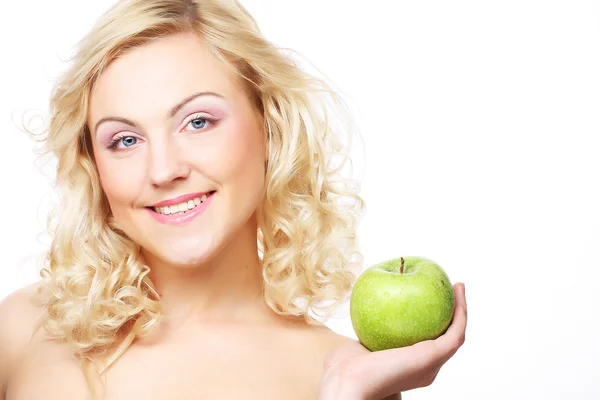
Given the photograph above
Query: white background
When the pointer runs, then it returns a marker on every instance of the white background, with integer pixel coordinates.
(481, 122)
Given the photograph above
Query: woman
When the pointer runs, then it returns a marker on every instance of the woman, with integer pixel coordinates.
(203, 224)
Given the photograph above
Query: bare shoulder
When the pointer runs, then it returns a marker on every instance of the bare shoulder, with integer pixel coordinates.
(330, 339)
(326, 341)
(18, 318)
(321, 341)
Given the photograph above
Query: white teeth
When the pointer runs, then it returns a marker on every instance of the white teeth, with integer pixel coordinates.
(181, 207)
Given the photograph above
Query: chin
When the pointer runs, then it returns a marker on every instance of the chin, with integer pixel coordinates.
(187, 254)
(189, 259)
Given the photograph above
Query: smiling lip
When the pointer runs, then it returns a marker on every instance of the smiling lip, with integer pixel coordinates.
(183, 218)
(181, 199)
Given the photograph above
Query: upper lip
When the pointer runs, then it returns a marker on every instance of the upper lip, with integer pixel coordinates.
(180, 199)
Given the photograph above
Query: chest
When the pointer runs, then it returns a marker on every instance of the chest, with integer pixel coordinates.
(175, 371)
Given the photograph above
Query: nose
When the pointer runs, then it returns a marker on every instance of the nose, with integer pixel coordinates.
(167, 162)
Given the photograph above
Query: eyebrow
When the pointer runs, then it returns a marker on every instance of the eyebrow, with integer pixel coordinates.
(171, 113)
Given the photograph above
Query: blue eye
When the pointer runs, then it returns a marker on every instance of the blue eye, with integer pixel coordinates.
(199, 122)
(127, 141)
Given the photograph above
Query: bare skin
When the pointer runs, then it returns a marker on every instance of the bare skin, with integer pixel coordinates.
(218, 360)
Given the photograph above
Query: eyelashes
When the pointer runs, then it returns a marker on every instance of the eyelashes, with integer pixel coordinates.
(196, 122)
(115, 141)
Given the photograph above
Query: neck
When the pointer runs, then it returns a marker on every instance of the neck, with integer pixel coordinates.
(226, 288)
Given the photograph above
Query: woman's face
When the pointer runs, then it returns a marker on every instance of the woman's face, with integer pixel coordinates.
(167, 120)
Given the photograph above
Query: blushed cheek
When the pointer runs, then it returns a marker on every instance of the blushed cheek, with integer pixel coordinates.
(120, 187)
(245, 159)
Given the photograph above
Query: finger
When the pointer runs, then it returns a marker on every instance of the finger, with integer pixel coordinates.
(449, 343)
(396, 370)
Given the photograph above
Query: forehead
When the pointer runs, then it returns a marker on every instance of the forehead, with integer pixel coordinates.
(156, 75)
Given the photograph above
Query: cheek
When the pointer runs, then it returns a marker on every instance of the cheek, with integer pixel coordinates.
(233, 156)
(119, 184)
(245, 162)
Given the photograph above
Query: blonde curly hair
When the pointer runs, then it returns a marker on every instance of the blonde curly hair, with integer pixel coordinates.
(96, 290)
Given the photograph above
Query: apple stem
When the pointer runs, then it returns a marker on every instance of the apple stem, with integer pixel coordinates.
(401, 265)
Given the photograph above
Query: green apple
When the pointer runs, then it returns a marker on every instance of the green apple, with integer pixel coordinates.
(400, 302)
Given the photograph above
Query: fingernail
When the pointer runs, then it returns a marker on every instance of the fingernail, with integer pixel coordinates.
(463, 288)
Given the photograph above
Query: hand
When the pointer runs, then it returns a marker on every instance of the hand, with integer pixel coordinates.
(352, 372)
